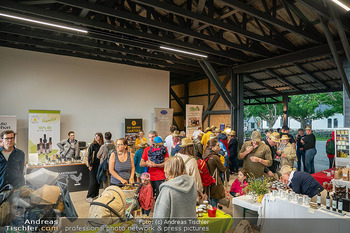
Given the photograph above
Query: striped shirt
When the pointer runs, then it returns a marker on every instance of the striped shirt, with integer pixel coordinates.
(122, 168)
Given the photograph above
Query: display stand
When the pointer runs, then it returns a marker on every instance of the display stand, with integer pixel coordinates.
(341, 140)
(76, 175)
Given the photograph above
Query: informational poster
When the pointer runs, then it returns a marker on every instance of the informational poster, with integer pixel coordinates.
(193, 118)
(163, 119)
(132, 129)
(8, 123)
(43, 136)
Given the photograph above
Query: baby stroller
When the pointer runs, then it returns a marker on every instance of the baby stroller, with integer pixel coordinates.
(135, 204)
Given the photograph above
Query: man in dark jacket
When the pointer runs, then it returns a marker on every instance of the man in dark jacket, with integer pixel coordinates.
(310, 150)
(300, 182)
(232, 148)
(300, 149)
(11, 161)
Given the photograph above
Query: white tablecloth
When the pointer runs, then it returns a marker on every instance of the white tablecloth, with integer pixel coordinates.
(286, 216)
(247, 201)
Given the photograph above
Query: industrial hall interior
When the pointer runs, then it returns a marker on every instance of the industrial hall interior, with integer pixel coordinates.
(136, 116)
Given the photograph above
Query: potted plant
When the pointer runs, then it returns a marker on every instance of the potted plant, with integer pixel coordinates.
(258, 186)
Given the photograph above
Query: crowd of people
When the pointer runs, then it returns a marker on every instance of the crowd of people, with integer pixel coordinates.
(172, 169)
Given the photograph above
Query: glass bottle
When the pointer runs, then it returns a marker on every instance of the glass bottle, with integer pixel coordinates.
(328, 201)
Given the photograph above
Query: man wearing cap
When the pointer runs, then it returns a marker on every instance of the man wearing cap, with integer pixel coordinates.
(176, 143)
(197, 146)
(271, 141)
(168, 141)
(256, 156)
(300, 149)
(285, 131)
(286, 151)
(309, 142)
(205, 137)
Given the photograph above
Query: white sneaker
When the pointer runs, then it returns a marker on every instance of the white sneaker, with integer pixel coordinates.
(89, 199)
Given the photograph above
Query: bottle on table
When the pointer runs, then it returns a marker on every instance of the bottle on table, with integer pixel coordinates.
(319, 197)
(328, 201)
(340, 205)
(334, 203)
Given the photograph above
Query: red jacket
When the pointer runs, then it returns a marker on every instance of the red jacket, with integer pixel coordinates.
(237, 187)
(146, 197)
(328, 155)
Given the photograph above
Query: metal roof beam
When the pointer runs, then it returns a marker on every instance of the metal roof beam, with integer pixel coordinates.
(213, 22)
(272, 20)
(82, 42)
(262, 84)
(157, 24)
(300, 67)
(321, 50)
(92, 24)
(273, 73)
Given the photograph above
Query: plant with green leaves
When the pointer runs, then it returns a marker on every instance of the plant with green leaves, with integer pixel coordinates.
(304, 107)
(258, 186)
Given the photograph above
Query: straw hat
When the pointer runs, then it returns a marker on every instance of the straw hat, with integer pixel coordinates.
(186, 142)
(256, 136)
(143, 144)
(285, 137)
(176, 133)
(232, 133)
(213, 127)
(275, 137)
(207, 129)
(308, 127)
(200, 134)
(217, 130)
(212, 136)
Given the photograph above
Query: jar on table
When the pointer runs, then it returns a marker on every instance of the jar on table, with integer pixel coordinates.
(200, 212)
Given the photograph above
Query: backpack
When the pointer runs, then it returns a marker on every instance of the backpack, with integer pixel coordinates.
(110, 149)
(108, 208)
(86, 156)
(206, 178)
(157, 155)
(330, 147)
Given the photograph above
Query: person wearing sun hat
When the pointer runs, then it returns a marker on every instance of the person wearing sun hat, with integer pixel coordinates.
(286, 152)
(256, 156)
(205, 137)
(271, 141)
(187, 154)
(309, 142)
(176, 143)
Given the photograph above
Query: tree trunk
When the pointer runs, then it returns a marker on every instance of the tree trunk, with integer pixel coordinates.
(303, 123)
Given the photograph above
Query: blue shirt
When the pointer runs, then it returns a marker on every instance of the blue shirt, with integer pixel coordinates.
(137, 160)
(11, 170)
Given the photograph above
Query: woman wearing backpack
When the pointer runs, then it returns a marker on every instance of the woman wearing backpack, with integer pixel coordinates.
(215, 191)
(330, 150)
(187, 154)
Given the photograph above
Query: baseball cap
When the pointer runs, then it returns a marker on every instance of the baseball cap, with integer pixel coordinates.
(256, 136)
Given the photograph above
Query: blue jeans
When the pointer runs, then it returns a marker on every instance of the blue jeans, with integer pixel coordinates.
(331, 162)
(309, 160)
(214, 202)
(301, 157)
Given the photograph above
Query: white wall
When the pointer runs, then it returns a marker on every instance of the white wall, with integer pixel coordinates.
(93, 96)
(321, 124)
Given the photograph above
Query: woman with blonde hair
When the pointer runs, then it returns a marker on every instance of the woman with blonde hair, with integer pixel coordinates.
(177, 197)
(187, 154)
